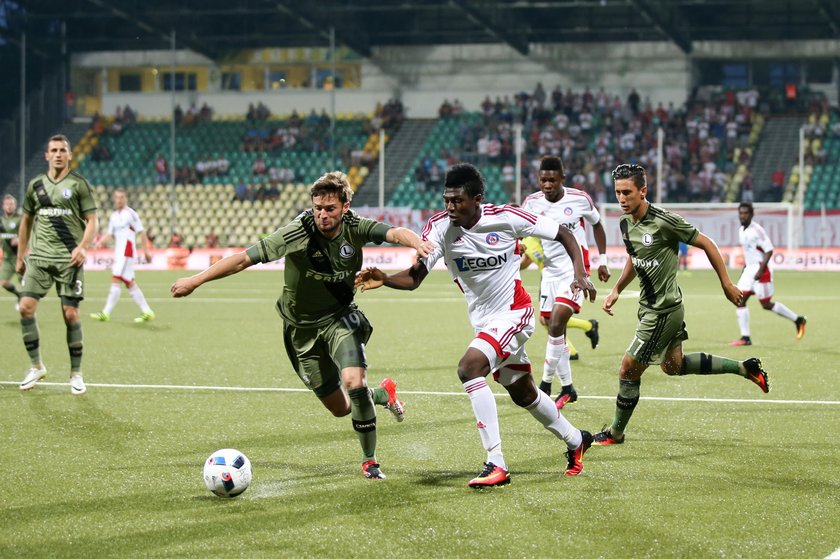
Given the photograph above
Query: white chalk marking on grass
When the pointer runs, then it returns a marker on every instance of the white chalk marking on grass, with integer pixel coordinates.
(425, 393)
(834, 554)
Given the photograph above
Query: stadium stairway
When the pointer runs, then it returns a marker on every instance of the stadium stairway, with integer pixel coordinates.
(36, 165)
(779, 148)
(400, 154)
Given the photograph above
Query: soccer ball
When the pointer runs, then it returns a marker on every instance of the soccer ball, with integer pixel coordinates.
(227, 472)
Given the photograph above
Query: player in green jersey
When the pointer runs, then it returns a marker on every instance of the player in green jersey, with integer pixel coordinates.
(651, 237)
(59, 211)
(324, 331)
(9, 225)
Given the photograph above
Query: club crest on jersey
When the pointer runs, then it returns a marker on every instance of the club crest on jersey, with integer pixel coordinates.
(567, 211)
(346, 251)
(647, 239)
(492, 238)
(67, 193)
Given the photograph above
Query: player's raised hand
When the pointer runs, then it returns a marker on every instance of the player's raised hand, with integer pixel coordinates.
(369, 278)
(182, 287)
(585, 285)
(609, 301)
(603, 272)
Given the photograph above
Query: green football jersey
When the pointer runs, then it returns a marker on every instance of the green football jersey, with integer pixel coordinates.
(319, 272)
(653, 247)
(9, 226)
(59, 209)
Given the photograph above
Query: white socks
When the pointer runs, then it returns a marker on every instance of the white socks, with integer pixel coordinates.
(557, 360)
(743, 314)
(487, 419)
(113, 297)
(544, 410)
(138, 297)
(782, 310)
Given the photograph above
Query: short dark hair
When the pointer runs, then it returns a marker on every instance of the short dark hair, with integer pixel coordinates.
(552, 163)
(466, 176)
(747, 205)
(630, 171)
(58, 138)
(335, 183)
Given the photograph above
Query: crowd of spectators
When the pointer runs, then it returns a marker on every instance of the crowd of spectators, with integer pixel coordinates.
(193, 115)
(110, 127)
(593, 131)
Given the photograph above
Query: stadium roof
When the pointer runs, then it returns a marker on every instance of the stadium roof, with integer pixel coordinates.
(217, 27)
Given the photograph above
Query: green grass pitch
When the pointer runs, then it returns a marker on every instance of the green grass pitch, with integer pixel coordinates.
(711, 467)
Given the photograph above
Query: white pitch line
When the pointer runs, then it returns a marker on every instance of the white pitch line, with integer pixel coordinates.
(427, 393)
(834, 554)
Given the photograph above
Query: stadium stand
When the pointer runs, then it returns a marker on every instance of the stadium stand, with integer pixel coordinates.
(708, 146)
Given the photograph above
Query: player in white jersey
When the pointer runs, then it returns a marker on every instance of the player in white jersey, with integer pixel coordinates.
(571, 208)
(757, 277)
(124, 228)
(478, 244)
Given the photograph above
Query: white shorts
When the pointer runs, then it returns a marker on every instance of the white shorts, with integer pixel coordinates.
(501, 338)
(557, 291)
(123, 269)
(762, 288)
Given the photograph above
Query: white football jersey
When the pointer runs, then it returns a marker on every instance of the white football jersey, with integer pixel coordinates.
(755, 242)
(124, 225)
(484, 260)
(571, 211)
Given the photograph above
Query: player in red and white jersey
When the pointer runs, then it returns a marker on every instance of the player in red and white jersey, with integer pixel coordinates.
(478, 244)
(124, 227)
(572, 208)
(757, 277)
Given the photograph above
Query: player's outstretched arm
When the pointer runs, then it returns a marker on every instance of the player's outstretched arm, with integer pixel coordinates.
(409, 279)
(408, 238)
(225, 267)
(716, 259)
(628, 274)
(24, 231)
(601, 242)
(581, 281)
(103, 240)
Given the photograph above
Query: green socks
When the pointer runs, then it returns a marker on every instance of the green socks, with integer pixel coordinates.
(708, 364)
(31, 340)
(625, 403)
(379, 396)
(363, 415)
(74, 344)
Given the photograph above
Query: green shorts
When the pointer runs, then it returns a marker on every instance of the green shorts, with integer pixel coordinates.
(319, 354)
(7, 270)
(41, 274)
(657, 334)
